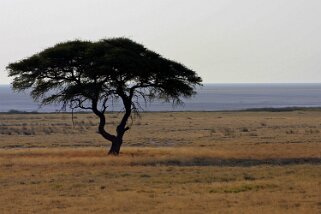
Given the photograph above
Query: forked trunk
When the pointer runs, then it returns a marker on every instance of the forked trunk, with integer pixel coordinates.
(116, 140)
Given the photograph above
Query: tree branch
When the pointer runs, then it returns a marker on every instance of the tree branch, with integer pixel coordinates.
(102, 122)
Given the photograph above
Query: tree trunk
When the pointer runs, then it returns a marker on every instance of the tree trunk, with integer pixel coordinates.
(116, 141)
(121, 128)
(115, 146)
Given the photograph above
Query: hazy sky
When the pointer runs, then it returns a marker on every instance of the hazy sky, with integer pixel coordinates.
(224, 41)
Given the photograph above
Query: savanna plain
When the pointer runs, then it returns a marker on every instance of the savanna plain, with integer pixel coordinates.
(171, 162)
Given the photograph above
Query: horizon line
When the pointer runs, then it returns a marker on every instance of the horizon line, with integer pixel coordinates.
(230, 83)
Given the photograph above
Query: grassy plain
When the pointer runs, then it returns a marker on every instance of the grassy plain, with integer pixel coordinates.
(174, 162)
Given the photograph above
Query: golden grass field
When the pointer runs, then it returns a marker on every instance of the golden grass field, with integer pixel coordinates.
(173, 162)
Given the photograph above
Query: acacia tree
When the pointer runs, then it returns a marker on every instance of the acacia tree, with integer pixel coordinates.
(88, 75)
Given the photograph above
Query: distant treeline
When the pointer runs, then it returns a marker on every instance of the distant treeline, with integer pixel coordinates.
(284, 109)
(14, 111)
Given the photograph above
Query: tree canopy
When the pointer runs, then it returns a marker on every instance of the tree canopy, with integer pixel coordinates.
(87, 75)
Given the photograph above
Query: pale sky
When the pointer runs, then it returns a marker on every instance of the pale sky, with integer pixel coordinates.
(224, 41)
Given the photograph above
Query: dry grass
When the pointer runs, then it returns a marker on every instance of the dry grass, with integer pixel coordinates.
(237, 162)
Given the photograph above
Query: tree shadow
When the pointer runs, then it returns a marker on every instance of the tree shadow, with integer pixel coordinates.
(230, 162)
